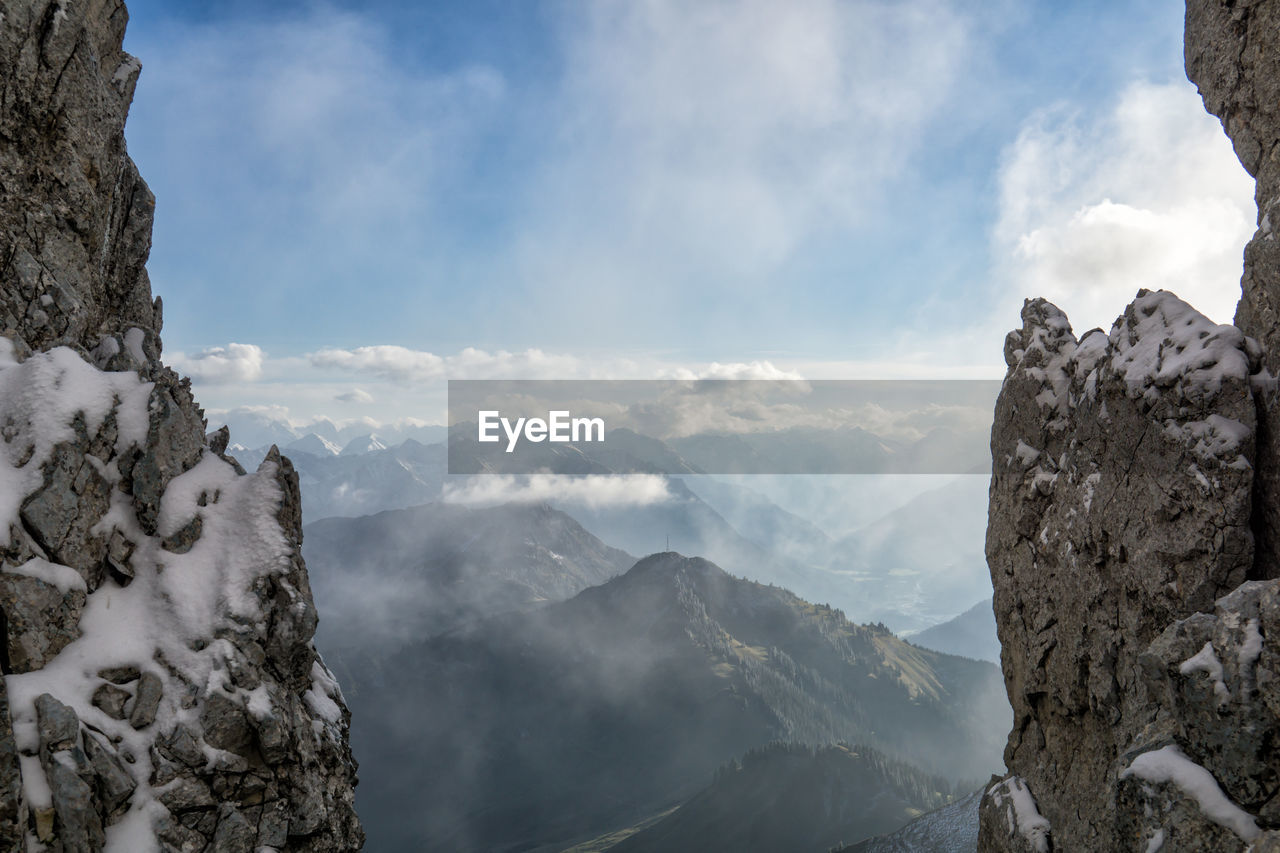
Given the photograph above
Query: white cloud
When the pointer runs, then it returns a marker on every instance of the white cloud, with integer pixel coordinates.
(385, 360)
(355, 395)
(1148, 194)
(266, 412)
(732, 370)
(593, 491)
(232, 363)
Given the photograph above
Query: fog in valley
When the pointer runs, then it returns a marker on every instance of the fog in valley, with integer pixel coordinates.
(537, 662)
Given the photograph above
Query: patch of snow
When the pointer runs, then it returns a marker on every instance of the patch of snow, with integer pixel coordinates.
(59, 15)
(1194, 471)
(1215, 437)
(1042, 481)
(319, 697)
(135, 832)
(1172, 342)
(1031, 825)
(1168, 765)
(1207, 662)
(1026, 453)
(1251, 648)
(258, 702)
(1090, 486)
(39, 400)
(240, 541)
(1156, 842)
(35, 785)
(126, 69)
(133, 340)
(63, 577)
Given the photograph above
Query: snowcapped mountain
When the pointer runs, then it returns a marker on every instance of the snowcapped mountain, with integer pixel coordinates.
(314, 444)
(258, 428)
(361, 444)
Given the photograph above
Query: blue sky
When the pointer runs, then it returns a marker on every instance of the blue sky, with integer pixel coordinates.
(356, 200)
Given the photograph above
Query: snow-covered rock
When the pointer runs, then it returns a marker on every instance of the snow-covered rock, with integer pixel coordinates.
(160, 690)
(1132, 536)
(1120, 502)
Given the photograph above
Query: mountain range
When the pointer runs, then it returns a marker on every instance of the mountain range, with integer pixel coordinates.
(554, 725)
(260, 427)
(905, 569)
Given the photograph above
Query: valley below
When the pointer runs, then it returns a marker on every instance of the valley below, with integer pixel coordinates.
(522, 678)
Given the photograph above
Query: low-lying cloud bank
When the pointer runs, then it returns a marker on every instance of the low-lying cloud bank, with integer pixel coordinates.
(592, 491)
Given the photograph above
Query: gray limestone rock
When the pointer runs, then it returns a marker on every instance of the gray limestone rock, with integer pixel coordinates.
(61, 514)
(75, 232)
(185, 793)
(12, 831)
(1120, 501)
(114, 782)
(57, 725)
(225, 723)
(146, 701)
(120, 674)
(41, 620)
(79, 825)
(235, 834)
(1232, 52)
(1133, 535)
(111, 700)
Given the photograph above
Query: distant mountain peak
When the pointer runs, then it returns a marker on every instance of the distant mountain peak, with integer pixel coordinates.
(370, 443)
(316, 445)
(672, 565)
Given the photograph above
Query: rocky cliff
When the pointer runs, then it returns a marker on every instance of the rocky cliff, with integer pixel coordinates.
(1134, 531)
(161, 691)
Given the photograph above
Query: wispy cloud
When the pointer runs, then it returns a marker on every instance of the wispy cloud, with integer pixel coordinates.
(355, 395)
(705, 144)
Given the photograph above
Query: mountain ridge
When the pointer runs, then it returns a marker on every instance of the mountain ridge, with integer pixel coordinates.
(668, 670)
